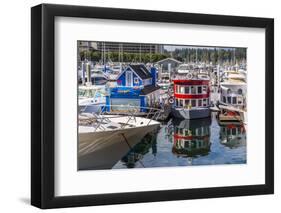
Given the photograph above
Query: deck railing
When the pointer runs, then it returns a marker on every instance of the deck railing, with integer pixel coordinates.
(130, 111)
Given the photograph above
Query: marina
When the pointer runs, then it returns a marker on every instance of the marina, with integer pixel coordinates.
(167, 112)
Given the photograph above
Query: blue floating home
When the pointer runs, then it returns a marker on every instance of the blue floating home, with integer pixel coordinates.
(136, 86)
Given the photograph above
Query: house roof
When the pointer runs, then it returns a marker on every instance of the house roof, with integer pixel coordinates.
(166, 59)
(149, 89)
(141, 71)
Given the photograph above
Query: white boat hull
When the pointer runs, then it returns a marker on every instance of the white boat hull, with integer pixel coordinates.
(103, 149)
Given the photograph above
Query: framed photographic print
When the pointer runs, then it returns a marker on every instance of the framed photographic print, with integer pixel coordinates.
(140, 106)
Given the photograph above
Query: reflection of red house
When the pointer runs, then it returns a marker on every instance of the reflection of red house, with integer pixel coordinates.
(191, 137)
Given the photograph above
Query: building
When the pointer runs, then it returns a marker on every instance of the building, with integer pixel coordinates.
(136, 87)
(129, 47)
(86, 45)
(168, 64)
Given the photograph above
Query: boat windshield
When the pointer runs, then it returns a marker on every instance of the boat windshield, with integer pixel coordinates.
(183, 67)
(87, 93)
(165, 78)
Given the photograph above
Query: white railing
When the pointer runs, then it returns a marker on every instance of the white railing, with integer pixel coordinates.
(130, 111)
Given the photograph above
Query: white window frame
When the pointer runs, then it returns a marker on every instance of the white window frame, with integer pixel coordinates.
(129, 74)
(204, 89)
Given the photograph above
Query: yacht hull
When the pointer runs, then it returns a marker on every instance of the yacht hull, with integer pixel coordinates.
(103, 149)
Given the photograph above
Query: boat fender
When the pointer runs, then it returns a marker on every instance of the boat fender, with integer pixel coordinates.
(171, 100)
(189, 76)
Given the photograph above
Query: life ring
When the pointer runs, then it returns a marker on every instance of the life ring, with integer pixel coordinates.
(189, 76)
(171, 100)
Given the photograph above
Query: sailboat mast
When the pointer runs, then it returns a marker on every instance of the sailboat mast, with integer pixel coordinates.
(196, 57)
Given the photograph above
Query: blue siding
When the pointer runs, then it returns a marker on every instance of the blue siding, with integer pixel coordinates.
(121, 81)
(143, 103)
(107, 102)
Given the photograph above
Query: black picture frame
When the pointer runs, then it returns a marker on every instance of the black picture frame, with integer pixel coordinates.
(43, 117)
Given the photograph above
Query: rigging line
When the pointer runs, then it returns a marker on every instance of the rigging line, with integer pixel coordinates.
(127, 142)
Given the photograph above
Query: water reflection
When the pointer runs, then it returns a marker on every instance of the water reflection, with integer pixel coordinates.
(233, 135)
(191, 138)
(138, 151)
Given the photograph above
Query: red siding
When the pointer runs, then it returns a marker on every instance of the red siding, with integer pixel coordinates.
(190, 96)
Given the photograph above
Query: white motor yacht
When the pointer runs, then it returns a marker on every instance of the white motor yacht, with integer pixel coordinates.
(100, 132)
(233, 93)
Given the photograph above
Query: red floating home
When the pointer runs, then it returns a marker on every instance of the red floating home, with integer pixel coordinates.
(191, 96)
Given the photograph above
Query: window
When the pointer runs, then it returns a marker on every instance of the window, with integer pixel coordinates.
(199, 102)
(205, 89)
(193, 144)
(177, 89)
(187, 102)
(229, 91)
(186, 144)
(199, 132)
(234, 100)
(193, 90)
(228, 99)
(136, 80)
(204, 102)
(224, 99)
(177, 102)
(234, 131)
(239, 100)
(240, 91)
(180, 131)
(193, 103)
(199, 89)
(239, 130)
(186, 90)
(181, 102)
(228, 132)
(181, 89)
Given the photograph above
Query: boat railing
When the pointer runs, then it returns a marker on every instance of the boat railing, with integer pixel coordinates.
(102, 116)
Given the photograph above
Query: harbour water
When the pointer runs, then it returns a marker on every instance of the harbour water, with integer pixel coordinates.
(221, 147)
(179, 143)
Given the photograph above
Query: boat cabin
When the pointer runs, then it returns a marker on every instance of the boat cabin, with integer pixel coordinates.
(191, 94)
(234, 95)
